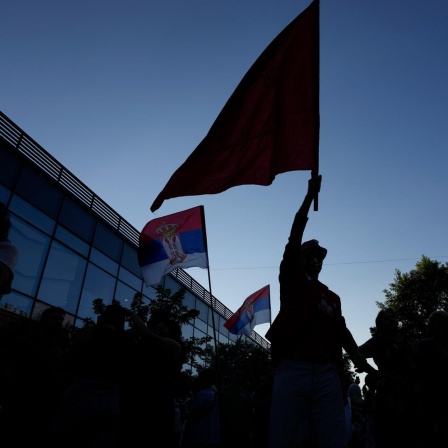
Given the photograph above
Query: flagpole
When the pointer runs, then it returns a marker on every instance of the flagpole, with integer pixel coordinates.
(270, 314)
(212, 302)
(316, 95)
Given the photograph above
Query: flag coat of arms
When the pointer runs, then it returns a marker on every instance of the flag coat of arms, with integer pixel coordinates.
(172, 241)
(255, 310)
(269, 125)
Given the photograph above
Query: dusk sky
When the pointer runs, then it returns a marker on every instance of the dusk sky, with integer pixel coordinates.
(122, 92)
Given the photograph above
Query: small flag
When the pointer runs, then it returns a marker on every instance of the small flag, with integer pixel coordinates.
(270, 123)
(255, 310)
(173, 241)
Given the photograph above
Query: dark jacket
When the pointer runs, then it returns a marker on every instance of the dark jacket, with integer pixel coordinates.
(310, 325)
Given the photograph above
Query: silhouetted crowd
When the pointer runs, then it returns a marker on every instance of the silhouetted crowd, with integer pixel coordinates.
(105, 387)
(108, 388)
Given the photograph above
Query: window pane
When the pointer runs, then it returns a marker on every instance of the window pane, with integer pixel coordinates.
(17, 303)
(33, 247)
(233, 337)
(201, 325)
(130, 279)
(203, 309)
(4, 194)
(189, 300)
(210, 331)
(33, 187)
(130, 260)
(198, 334)
(103, 261)
(73, 241)
(124, 294)
(31, 214)
(98, 284)
(62, 279)
(108, 242)
(219, 322)
(221, 338)
(147, 298)
(187, 331)
(77, 219)
(10, 166)
(171, 283)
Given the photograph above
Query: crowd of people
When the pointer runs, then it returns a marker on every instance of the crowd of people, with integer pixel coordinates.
(106, 387)
(111, 388)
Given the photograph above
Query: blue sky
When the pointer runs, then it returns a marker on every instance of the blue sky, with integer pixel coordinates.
(122, 92)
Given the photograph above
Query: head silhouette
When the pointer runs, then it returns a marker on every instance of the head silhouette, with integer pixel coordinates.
(312, 256)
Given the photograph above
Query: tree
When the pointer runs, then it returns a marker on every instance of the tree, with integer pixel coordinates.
(248, 357)
(413, 296)
(172, 304)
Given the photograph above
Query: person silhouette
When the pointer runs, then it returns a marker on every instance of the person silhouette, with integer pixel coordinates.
(236, 409)
(433, 369)
(33, 376)
(149, 403)
(261, 402)
(358, 417)
(203, 428)
(8, 253)
(98, 361)
(307, 338)
(397, 414)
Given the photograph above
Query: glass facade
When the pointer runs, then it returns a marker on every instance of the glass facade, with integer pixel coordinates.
(74, 249)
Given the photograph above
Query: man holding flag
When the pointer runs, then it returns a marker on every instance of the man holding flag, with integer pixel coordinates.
(307, 338)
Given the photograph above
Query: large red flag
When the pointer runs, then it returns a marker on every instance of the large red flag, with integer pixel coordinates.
(269, 125)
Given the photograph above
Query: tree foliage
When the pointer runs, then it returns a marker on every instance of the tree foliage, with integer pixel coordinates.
(414, 295)
(249, 358)
(172, 304)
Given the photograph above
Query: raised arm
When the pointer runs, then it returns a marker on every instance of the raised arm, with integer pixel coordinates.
(301, 217)
(171, 346)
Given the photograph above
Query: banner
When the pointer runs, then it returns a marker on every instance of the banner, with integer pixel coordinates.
(173, 241)
(255, 310)
(269, 125)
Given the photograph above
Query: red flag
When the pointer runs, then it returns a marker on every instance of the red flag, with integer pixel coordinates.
(269, 125)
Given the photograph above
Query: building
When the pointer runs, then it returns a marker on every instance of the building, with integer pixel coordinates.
(73, 248)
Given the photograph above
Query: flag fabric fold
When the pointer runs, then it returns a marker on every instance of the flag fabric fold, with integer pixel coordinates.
(268, 126)
(255, 310)
(172, 241)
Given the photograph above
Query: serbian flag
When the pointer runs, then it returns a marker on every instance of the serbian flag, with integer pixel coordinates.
(270, 123)
(255, 310)
(173, 241)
